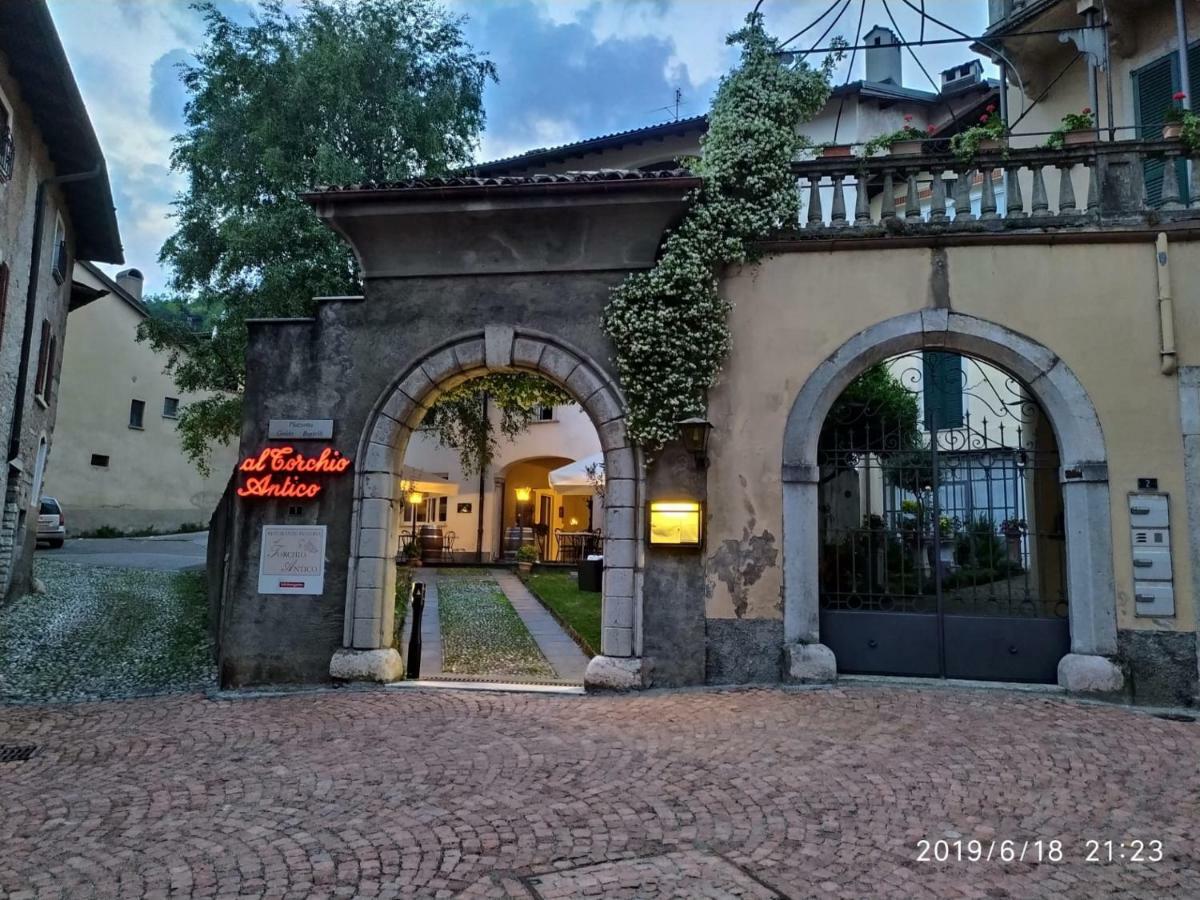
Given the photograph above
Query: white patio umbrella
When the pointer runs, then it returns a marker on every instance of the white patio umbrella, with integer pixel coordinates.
(572, 479)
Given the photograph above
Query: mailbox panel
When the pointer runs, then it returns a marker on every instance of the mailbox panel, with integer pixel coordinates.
(1149, 511)
(1154, 598)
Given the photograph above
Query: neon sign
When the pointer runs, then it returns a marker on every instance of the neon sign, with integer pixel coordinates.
(280, 471)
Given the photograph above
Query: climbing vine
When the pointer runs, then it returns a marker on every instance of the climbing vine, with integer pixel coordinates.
(668, 324)
(463, 422)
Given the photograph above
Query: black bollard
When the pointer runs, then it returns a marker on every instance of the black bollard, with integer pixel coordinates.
(414, 639)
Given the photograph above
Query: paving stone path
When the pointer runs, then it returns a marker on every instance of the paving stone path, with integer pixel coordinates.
(753, 793)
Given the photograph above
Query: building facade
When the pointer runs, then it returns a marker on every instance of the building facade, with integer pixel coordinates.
(1076, 287)
(517, 489)
(118, 460)
(55, 207)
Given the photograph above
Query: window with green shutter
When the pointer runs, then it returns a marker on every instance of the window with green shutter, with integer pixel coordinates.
(942, 389)
(1153, 86)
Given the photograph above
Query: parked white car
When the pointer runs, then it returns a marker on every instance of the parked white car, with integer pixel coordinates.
(52, 523)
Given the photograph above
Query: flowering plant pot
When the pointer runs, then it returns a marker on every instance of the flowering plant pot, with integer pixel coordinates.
(524, 567)
(908, 141)
(1078, 137)
(905, 148)
(1172, 131)
(836, 150)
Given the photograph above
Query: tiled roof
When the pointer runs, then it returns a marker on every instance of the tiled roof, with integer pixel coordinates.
(451, 182)
(597, 143)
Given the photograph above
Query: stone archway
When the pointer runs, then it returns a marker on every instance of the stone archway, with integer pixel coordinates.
(370, 582)
(1084, 479)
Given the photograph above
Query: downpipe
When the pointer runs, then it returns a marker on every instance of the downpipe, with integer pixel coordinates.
(1166, 307)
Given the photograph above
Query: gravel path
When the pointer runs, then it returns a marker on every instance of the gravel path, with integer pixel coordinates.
(104, 633)
(481, 632)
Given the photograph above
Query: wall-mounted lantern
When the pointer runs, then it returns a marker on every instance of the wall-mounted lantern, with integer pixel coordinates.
(523, 494)
(676, 523)
(693, 434)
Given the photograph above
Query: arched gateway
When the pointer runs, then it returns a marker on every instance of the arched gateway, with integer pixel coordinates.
(370, 582)
(462, 277)
(1084, 479)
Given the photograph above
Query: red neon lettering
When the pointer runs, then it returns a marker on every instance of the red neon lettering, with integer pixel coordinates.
(273, 460)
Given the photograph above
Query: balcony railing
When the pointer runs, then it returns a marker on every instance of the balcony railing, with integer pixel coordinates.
(1084, 186)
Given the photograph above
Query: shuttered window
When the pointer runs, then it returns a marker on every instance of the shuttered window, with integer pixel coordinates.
(39, 382)
(1153, 87)
(3, 297)
(941, 380)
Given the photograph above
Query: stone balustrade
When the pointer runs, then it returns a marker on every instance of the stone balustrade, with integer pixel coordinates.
(1102, 184)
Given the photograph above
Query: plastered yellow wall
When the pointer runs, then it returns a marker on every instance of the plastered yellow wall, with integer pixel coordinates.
(1094, 305)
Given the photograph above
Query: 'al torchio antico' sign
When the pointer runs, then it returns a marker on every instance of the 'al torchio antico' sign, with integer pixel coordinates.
(286, 473)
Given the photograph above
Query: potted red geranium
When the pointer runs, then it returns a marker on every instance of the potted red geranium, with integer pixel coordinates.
(1174, 118)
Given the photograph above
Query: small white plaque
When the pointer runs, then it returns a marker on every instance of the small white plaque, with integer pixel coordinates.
(292, 559)
(300, 429)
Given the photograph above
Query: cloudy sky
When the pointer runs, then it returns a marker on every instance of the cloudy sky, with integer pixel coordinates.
(568, 69)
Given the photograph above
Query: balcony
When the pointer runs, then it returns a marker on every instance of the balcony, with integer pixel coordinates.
(1092, 187)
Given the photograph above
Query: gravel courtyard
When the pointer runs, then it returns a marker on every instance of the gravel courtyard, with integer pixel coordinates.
(753, 793)
(101, 632)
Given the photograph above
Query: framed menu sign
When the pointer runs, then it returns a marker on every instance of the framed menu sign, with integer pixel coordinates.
(292, 559)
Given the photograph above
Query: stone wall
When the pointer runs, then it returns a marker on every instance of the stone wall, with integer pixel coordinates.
(17, 206)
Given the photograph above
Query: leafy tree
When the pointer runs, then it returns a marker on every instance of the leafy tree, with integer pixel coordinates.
(461, 419)
(875, 413)
(341, 91)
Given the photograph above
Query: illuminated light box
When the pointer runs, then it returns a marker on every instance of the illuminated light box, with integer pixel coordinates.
(676, 523)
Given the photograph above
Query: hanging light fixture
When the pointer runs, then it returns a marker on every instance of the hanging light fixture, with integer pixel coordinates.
(523, 494)
(693, 434)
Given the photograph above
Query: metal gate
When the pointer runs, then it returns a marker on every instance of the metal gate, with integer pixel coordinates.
(942, 539)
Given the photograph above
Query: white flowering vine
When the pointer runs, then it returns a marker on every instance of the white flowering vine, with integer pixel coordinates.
(669, 324)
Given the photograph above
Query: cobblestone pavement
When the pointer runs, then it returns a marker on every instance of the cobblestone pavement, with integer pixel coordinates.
(753, 793)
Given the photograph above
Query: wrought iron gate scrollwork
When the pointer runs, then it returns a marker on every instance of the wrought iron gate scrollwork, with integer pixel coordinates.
(941, 523)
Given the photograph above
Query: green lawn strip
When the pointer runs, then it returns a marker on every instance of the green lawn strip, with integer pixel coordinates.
(105, 632)
(481, 632)
(577, 611)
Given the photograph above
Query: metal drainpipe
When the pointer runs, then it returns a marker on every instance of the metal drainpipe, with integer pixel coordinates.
(1166, 306)
(1094, 80)
(35, 267)
(1185, 78)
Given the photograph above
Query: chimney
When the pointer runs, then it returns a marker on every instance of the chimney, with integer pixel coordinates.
(883, 56)
(961, 77)
(130, 280)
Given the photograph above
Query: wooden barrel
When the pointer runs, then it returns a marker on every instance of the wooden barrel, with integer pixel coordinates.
(514, 537)
(431, 543)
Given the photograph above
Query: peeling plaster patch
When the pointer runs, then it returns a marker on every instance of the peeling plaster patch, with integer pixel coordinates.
(740, 564)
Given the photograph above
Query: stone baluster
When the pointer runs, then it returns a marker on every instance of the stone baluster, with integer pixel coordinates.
(837, 211)
(987, 205)
(816, 219)
(1016, 203)
(1093, 197)
(912, 201)
(962, 197)
(937, 200)
(1041, 203)
(888, 200)
(1066, 191)
(862, 202)
(1170, 184)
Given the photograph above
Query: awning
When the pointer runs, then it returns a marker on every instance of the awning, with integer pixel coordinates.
(572, 479)
(413, 479)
